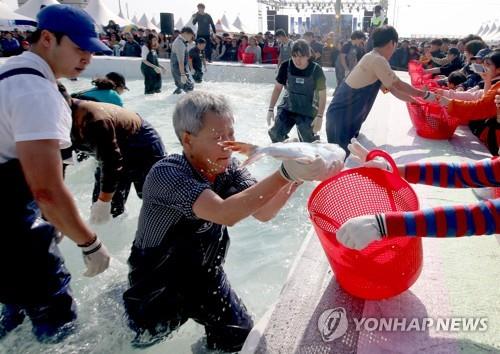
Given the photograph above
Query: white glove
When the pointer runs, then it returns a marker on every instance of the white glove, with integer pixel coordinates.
(317, 170)
(100, 212)
(316, 124)
(270, 118)
(184, 79)
(359, 232)
(95, 257)
(359, 153)
(429, 97)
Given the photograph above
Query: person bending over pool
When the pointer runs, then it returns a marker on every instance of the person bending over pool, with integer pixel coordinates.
(482, 218)
(124, 145)
(189, 199)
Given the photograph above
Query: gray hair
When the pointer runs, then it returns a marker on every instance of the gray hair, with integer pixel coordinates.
(190, 109)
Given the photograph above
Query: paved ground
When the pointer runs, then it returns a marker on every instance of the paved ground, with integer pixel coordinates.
(460, 277)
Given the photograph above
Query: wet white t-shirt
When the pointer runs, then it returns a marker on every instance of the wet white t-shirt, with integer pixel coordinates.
(31, 107)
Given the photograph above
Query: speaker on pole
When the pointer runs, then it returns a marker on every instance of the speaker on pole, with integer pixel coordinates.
(281, 22)
(167, 23)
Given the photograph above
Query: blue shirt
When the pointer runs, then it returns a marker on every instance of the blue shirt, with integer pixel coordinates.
(107, 96)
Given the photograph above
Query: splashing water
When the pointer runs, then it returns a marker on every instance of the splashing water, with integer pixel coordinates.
(259, 256)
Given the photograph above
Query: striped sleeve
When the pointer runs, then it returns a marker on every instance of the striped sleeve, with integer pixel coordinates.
(484, 173)
(482, 218)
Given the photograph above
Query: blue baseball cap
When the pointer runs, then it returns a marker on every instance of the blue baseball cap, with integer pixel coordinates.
(74, 23)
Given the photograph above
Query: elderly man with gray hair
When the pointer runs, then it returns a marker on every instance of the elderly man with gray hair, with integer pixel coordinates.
(189, 199)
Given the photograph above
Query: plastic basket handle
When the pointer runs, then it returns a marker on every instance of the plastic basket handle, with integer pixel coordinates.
(381, 153)
(325, 218)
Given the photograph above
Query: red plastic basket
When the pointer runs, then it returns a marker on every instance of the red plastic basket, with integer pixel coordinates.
(431, 120)
(385, 268)
(414, 66)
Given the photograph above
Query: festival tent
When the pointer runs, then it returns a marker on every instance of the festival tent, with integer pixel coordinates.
(179, 24)
(134, 20)
(226, 24)
(102, 14)
(220, 27)
(146, 23)
(491, 33)
(9, 20)
(486, 29)
(154, 22)
(480, 30)
(238, 24)
(32, 7)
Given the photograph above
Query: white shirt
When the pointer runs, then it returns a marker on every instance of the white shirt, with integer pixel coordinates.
(31, 107)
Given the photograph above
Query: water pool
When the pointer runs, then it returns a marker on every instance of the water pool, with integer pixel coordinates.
(258, 259)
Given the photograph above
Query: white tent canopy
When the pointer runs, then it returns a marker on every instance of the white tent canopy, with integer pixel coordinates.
(146, 23)
(220, 27)
(480, 30)
(154, 22)
(32, 7)
(102, 14)
(134, 20)
(491, 33)
(486, 29)
(179, 24)
(238, 24)
(225, 23)
(10, 20)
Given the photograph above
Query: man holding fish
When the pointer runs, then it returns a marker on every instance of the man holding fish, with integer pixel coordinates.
(189, 199)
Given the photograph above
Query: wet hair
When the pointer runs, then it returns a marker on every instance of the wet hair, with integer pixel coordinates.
(201, 5)
(190, 110)
(357, 35)
(35, 36)
(111, 81)
(494, 58)
(187, 29)
(474, 46)
(301, 48)
(456, 78)
(383, 35)
(201, 41)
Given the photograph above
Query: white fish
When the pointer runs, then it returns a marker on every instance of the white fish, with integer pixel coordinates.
(304, 152)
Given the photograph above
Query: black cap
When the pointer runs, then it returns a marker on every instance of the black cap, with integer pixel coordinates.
(118, 79)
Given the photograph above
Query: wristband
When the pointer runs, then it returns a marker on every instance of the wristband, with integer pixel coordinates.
(427, 94)
(271, 109)
(88, 243)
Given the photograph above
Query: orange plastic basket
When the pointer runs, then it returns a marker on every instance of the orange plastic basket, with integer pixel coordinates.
(385, 268)
(431, 120)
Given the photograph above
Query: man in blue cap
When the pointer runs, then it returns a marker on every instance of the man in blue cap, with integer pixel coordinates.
(35, 123)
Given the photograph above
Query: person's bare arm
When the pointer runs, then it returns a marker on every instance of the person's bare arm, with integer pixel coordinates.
(321, 103)
(271, 208)
(275, 95)
(42, 168)
(209, 206)
(408, 89)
